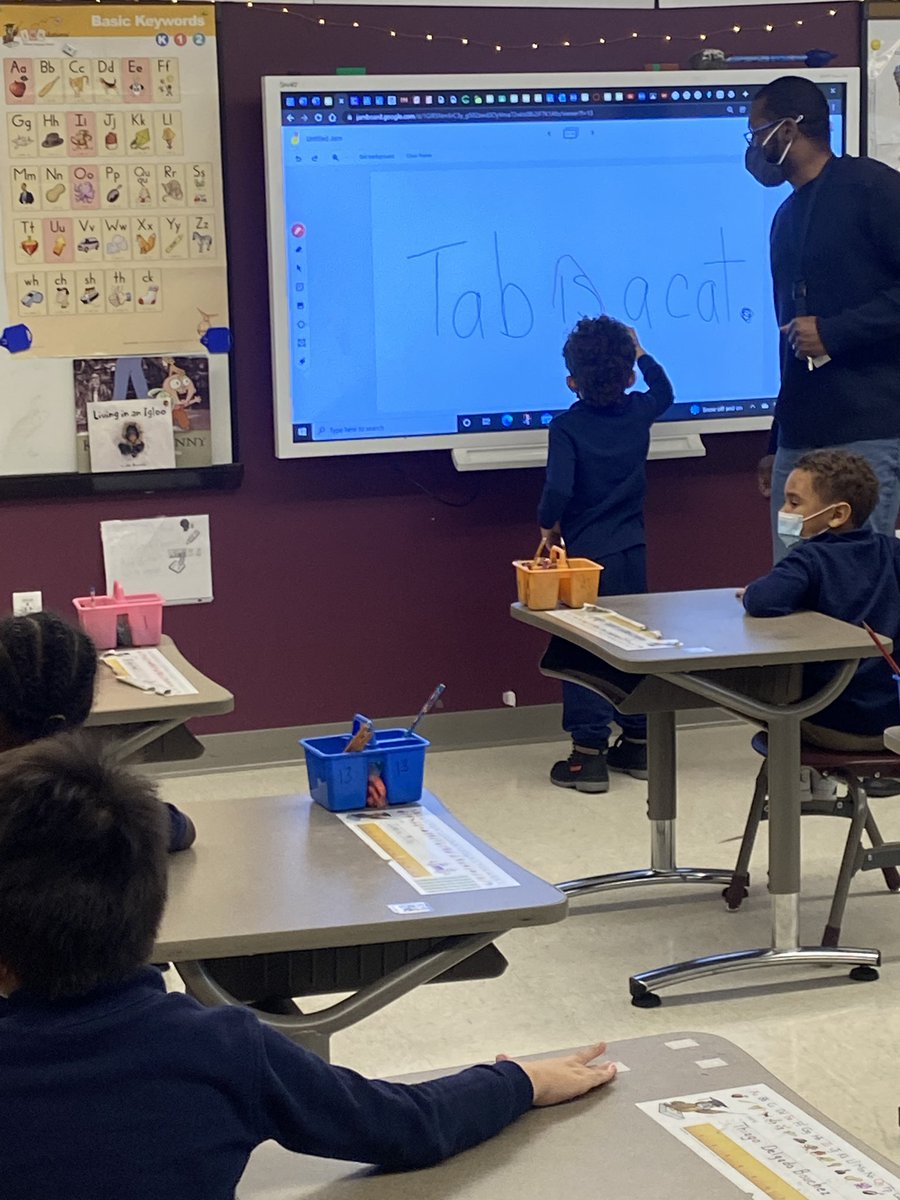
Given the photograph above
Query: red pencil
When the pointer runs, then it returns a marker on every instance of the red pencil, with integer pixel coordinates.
(874, 636)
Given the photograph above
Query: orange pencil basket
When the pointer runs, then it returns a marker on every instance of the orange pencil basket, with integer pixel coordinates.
(547, 580)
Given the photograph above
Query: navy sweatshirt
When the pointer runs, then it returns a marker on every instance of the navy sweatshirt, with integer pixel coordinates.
(596, 468)
(850, 262)
(132, 1094)
(854, 577)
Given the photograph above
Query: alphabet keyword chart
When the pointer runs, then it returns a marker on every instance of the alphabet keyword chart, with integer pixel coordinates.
(112, 204)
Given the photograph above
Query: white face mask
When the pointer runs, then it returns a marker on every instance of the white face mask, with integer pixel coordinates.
(790, 525)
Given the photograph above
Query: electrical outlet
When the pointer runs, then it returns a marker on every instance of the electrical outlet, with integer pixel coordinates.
(24, 603)
(509, 699)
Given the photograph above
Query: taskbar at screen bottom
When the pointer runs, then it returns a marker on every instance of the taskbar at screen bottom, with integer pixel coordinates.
(499, 422)
(515, 421)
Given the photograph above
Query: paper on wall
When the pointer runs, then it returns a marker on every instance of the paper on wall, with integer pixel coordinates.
(884, 91)
(169, 555)
(422, 848)
(111, 207)
(769, 1148)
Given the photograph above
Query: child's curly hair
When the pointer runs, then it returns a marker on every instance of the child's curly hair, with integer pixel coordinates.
(838, 476)
(599, 355)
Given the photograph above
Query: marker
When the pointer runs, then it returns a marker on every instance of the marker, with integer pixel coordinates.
(427, 706)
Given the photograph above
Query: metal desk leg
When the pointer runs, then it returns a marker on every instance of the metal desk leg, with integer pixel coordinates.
(784, 861)
(313, 1031)
(661, 810)
(127, 741)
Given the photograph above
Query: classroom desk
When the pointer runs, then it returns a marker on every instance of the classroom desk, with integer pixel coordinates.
(892, 739)
(599, 1146)
(281, 873)
(751, 668)
(136, 719)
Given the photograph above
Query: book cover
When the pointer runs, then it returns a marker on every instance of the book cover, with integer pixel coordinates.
(131, 435)
(182, 379)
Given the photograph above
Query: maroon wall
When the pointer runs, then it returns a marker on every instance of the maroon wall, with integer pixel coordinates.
(339, 584)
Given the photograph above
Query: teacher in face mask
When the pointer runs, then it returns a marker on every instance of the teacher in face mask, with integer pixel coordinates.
(835, 256)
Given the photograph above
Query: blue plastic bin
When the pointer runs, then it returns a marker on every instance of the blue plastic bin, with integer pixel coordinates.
(339, 781)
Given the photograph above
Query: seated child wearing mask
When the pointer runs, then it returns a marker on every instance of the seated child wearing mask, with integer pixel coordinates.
(838, 567)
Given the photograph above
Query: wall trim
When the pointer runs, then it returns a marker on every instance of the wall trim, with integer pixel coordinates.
(259, 748)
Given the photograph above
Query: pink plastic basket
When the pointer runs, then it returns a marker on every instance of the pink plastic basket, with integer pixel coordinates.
(99, 618)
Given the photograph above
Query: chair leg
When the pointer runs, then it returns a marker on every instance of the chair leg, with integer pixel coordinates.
(738, 889)
(849, 863)
(873, 833)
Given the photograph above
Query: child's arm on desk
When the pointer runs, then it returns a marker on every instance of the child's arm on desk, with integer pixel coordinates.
(313, 1108)
(786, 589)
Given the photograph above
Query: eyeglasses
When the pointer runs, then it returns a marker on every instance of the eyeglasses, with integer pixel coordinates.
(751, 135)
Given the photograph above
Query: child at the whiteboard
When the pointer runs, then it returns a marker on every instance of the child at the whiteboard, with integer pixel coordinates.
(594, 500)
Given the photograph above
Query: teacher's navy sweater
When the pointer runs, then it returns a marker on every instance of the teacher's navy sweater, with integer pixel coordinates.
(850, 262)
(854, 577)
(132, 1094)
(596, 468)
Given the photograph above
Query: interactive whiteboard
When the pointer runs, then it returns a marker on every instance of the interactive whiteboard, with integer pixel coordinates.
(432, 240)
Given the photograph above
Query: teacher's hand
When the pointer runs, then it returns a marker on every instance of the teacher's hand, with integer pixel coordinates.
(803, 337)
(764, 474)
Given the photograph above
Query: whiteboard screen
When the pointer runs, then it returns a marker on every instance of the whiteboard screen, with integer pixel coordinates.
(433, 240)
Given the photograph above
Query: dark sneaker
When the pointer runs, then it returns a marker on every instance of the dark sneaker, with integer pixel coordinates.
(629, 757)
(584, 770)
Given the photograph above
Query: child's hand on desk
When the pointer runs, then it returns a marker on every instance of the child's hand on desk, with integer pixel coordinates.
(556, 1080)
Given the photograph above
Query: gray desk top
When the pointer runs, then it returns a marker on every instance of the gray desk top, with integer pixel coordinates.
(118, 704)
(600, 1146)
(714, 620)
(281, 873)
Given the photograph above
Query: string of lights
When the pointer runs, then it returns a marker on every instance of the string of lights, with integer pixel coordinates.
(815, 18)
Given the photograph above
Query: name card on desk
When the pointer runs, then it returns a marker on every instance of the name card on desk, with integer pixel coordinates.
(426, 851)
(613, 627)
(754, 1136)
(149, 670)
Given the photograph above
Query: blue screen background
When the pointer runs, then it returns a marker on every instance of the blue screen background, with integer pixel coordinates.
(441, 266)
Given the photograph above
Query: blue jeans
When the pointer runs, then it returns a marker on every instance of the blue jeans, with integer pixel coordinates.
(882, 455)
(587, 716)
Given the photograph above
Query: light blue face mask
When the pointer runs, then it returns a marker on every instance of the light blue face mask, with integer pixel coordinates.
(790, 525)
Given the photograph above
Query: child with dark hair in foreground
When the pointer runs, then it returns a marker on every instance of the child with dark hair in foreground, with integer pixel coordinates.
(48, 671)
(838, 567)
(594, 500)
(114, 1090)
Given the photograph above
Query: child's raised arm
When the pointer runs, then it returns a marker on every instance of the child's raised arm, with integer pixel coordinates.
(659, 388)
